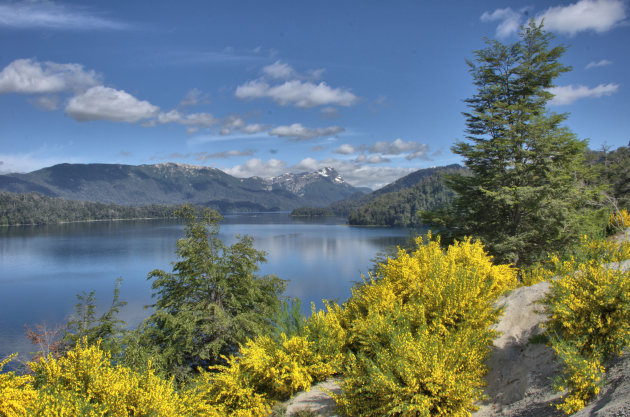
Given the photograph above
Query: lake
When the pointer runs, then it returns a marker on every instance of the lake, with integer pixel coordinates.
(42, 268)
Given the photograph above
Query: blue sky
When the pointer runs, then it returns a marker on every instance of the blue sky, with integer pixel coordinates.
(374, 89)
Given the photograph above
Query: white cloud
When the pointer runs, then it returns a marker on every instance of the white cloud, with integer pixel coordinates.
(279, 70)
(199, 120)
(510, 21)
(173, 116)
(569, 94)
(47, 14)
(230, 123)
(602, 63)
(597, 15)
(298, 93)
(104, 103)
(27, 76)
(256, 167)
(254, 128)
(419, 154)
(193, 120)
(371, 159)
(345, 149)
(397, 147)
(297, 132)
(584, 15)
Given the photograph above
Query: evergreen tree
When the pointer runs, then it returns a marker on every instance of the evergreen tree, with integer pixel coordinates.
(211, 302)
(527, 193)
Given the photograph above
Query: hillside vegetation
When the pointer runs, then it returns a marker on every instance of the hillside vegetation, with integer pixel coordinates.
(34, 208)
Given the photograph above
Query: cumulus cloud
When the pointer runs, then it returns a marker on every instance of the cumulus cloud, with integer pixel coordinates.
(371, 159)
(238, 123)
(566, 95)
(256, 167)
(345, 149)
(584, 15)
(510, 21)
(297, 132)
(279, 70)
(297, 93)
(27, 76)
(104, 103)
(193, 120)
(397, 147)
(49, 15)
(230, 123)
(254, 128)
(597, 15)
(602, 63)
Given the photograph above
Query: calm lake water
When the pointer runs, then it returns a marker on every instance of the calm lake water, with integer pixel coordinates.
(42, 268)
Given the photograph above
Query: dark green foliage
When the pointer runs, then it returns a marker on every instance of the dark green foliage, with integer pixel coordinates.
(528, 192)
(212, 301)
(107, 328)
(34, 208)
(289, 319)
(402, 207)
(612, 169)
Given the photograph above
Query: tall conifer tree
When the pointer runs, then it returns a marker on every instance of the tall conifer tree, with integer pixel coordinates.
(526, 193)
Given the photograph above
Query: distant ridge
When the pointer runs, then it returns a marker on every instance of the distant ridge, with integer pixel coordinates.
(172, 183)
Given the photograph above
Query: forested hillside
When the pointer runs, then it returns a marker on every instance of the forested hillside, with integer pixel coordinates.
(34, 208)
(401, 207)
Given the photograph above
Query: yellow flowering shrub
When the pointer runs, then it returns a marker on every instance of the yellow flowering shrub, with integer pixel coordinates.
(581, 377)
(619, 220)
(16, 393)
(590, 251)
(84, 382)
(591, 308)
(230, 391)
(325, 331)
(589, 316)
(419, 332)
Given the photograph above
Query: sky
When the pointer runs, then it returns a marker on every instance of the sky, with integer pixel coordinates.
(374, 89)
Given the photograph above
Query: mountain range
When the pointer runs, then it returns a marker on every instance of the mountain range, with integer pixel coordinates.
(171, 183)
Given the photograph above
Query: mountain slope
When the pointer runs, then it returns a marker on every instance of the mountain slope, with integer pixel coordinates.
(176, 183)
(399, 203)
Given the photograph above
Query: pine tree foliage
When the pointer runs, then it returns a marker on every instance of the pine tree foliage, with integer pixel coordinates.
(526, 194)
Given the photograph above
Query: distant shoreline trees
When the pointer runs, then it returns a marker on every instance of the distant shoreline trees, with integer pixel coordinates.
(37, 209)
